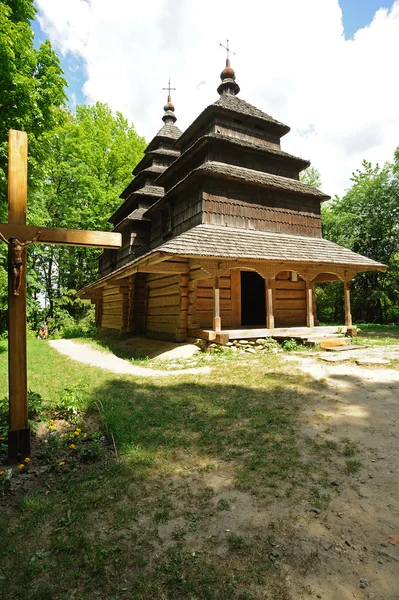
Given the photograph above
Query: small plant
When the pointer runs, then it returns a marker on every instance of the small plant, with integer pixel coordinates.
(71, 401)
(291, 345)
(35, 404)
(352, 466)
(235, 542)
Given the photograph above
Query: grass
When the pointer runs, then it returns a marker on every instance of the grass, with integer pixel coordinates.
(197, 455)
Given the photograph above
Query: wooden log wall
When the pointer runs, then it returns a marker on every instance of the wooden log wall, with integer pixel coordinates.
(138, 306)
(204, 302)
(166, 306)
(115, 306)
(289, 301)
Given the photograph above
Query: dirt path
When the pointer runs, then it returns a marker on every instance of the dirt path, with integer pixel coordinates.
(359, 404)
(105, 360)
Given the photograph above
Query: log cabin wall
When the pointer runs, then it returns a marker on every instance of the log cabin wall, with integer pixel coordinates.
(204, 302)
(166, 306)
(249, 207)
(289, 301)
(138, 305)
(238, 129)
(115, 307)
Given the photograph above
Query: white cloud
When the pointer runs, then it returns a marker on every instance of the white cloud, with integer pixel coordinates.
(339, 97)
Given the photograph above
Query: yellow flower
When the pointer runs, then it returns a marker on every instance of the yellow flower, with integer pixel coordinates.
(76, 433)
(2, 439)
(72, 446)
(27, 460)
(78, 429)
(21, 466)
(61, 463)
(2, 472)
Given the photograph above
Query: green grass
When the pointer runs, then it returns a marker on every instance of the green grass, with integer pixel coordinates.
(158, 522)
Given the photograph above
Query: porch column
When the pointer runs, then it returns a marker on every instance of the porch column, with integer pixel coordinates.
(347, 299)
(269, 303)
(217, 325)
(309, 305)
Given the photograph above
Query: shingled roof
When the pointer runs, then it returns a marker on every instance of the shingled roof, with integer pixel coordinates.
(234, 104)
(229, 242)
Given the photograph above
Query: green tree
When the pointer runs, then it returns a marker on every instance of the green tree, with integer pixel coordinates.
(31, 99)
(311, 176)
(366, 220)
(89, 162)
(31, 84)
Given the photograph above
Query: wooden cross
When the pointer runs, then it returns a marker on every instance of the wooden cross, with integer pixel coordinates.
(169, 89)
(19, 434)
(227, 47)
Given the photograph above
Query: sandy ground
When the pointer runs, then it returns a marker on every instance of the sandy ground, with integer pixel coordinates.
(85, 354)
(358, 558)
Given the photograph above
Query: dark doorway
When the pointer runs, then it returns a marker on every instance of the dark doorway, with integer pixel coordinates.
(253, 299)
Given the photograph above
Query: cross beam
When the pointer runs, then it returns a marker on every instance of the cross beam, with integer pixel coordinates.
(169, 88)
(19, 434)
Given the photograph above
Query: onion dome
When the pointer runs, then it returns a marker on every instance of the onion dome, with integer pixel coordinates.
(169, 116)
(228, 77)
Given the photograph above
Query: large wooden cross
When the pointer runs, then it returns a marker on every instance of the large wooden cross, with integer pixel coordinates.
(16, 228)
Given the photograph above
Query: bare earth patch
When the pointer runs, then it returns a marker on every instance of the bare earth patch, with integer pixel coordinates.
(359, 409)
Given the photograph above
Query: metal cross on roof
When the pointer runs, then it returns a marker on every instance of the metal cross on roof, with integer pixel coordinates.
(227, 47)
(169, 88)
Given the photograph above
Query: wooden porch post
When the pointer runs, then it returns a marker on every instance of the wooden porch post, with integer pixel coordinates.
(309, 305)
(347, 299)
(269, 303)
(217, 325)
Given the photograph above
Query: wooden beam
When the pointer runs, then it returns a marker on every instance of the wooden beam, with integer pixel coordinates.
(309, 305)
(269, 303)
(163, 268)
(217, 324)
(19, 434)
(347, 299)
(64, 237)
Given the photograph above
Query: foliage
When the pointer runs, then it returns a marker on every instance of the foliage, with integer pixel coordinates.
(291, 345)
(31, 83)
(31, 99)
(366, 220)
(311, 176)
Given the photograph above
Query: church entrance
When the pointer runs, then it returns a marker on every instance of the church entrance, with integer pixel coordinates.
(253, 299)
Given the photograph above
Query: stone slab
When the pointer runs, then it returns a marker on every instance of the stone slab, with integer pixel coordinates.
(372, 361)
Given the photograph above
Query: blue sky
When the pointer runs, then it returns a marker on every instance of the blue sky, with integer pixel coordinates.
(359, 13)
(73, 67)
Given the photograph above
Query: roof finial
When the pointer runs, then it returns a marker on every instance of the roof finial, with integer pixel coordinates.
(228, 76)
(227, 48)
(169, 108)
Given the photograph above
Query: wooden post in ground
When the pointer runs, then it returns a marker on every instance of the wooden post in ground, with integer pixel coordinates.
(347, 300)
(309, 305)
(269, 303)
(217, 325)
(19, 434)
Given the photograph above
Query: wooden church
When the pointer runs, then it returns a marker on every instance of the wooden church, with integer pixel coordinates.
(221, 239)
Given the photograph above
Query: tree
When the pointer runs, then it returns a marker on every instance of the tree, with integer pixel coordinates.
(311, 176)
(31, 99)
(89, 162)
(366, 220)
(31, 83)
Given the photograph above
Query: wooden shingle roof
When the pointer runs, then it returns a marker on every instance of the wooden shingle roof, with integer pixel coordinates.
(228, 242)
(234, 104)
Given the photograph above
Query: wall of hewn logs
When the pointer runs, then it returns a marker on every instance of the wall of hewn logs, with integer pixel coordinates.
(183, 301)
